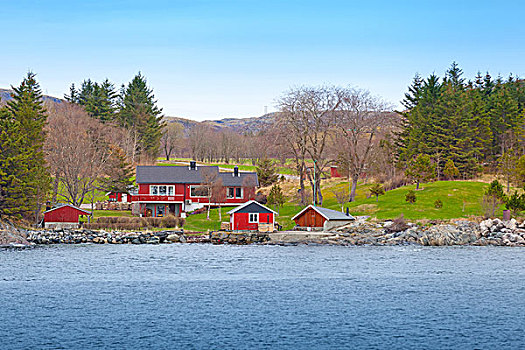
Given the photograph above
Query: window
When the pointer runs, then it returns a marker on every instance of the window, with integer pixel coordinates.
(254, 218)
(231, 192)
(198, 191)
(162, 190)
(238, 192)
(161, 210)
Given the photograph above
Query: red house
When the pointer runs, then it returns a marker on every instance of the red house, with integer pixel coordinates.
(175, 190)
(63, 216)
(252, 216)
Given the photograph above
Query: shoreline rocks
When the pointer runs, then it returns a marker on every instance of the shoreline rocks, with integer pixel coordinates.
(492, 232)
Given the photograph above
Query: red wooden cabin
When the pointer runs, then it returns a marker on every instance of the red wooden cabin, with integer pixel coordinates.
(318, 218)
(63, 216)
(334, 172)
(251, 216)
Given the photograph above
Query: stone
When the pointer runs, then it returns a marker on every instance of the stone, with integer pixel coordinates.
(173, 238)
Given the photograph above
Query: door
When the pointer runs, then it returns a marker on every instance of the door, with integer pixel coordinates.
(311, 221)
(125, 197)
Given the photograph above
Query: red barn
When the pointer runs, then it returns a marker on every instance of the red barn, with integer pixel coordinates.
(252, 216)
(63, 216)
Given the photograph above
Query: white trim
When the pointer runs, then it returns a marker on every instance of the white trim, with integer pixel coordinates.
(248, 203)
(250, 216)
(314, 208)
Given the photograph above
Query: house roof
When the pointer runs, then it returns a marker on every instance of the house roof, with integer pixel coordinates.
(183, 174)
(62, 205)
(250, 204)
(328, 214)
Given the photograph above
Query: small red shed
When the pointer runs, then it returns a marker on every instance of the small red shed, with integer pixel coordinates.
(63, 216)
(252, 216)
(334, 172)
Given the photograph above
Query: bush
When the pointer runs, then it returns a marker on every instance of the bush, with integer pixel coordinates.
(398, 225)
(493, 198)
(515, 203)
(410, 197)
(438, 204)
(261, 198)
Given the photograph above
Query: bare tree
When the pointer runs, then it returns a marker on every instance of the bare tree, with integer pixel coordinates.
(209, 178)
(361, 118)
(218, 194)
(341, 196)
(309, 116)
(77, 148)
(171, 138)
(249, 184)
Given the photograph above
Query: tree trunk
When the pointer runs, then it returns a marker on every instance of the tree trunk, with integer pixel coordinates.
(55, 189)
(353, 187)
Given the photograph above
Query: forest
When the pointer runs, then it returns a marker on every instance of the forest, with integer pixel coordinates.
(450, 128)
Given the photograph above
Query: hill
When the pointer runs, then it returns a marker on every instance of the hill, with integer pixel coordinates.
(5, 95)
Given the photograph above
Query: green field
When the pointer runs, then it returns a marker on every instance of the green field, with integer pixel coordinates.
(461, 199)
(242, 167)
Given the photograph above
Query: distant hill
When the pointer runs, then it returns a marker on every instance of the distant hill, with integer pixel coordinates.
(5, 95)
(240, 125)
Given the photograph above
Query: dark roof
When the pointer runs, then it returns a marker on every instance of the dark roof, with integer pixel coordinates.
(171, 174)
(328, 214)
(251, 207)
(62, 205)
(183, 174)
(229, 180)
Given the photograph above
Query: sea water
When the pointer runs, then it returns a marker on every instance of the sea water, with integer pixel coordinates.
(199, 296)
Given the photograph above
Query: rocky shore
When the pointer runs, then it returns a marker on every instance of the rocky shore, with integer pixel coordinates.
(361, 232)
(489, 232)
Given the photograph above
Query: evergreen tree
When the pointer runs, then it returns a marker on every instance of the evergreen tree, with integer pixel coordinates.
(99, 100)
(119, 172)
(421, 169)
(276, 197)
(139, 112)
(450, 170)
(377, 190)
(266, 172)
(28, 119)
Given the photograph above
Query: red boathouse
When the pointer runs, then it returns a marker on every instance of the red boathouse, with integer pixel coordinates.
(63, 216)
(252, 216)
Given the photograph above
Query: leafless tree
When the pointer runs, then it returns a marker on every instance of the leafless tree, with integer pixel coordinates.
(171, 138)
(218, 194)
(77, 148)
(309, 114)
(341, 196)
(249, 184)
(209, 176)
(361, 118)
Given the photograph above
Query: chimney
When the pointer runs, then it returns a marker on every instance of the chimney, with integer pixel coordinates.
(193, 165)
(236, 171)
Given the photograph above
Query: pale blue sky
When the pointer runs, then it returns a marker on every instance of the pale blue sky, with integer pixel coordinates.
(215, 59)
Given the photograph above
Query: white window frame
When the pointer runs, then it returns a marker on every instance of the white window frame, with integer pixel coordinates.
(157, 187)
(196, 186)
(152, 189)
(228, 193)
(242, 193)
(256, 216)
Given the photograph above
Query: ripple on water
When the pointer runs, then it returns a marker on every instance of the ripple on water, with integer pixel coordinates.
(207, 296)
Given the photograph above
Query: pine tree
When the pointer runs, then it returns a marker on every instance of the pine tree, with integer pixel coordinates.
(139, 112)
(276, 197)
(119, 172)
(450, 171)
(421, 169)
(29, 118)
(266, 172)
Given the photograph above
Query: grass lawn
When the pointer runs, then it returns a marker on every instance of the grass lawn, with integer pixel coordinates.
(101, 213)
(242, 167)
(198, 222)
(460, 199)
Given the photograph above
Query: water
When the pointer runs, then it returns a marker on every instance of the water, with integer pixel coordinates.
(251, 297)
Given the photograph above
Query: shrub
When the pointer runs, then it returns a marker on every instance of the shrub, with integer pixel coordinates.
(377, 190)
(515, 203)
(493, 198)
(438, 204)
(410, 197)
(398, 225)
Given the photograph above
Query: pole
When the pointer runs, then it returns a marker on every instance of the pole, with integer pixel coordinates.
(315, 187)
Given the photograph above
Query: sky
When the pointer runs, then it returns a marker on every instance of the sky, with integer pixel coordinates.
(218, 59)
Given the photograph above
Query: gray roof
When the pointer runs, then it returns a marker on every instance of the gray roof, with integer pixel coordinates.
(183, 174)
(329, 214)
(229, 180)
